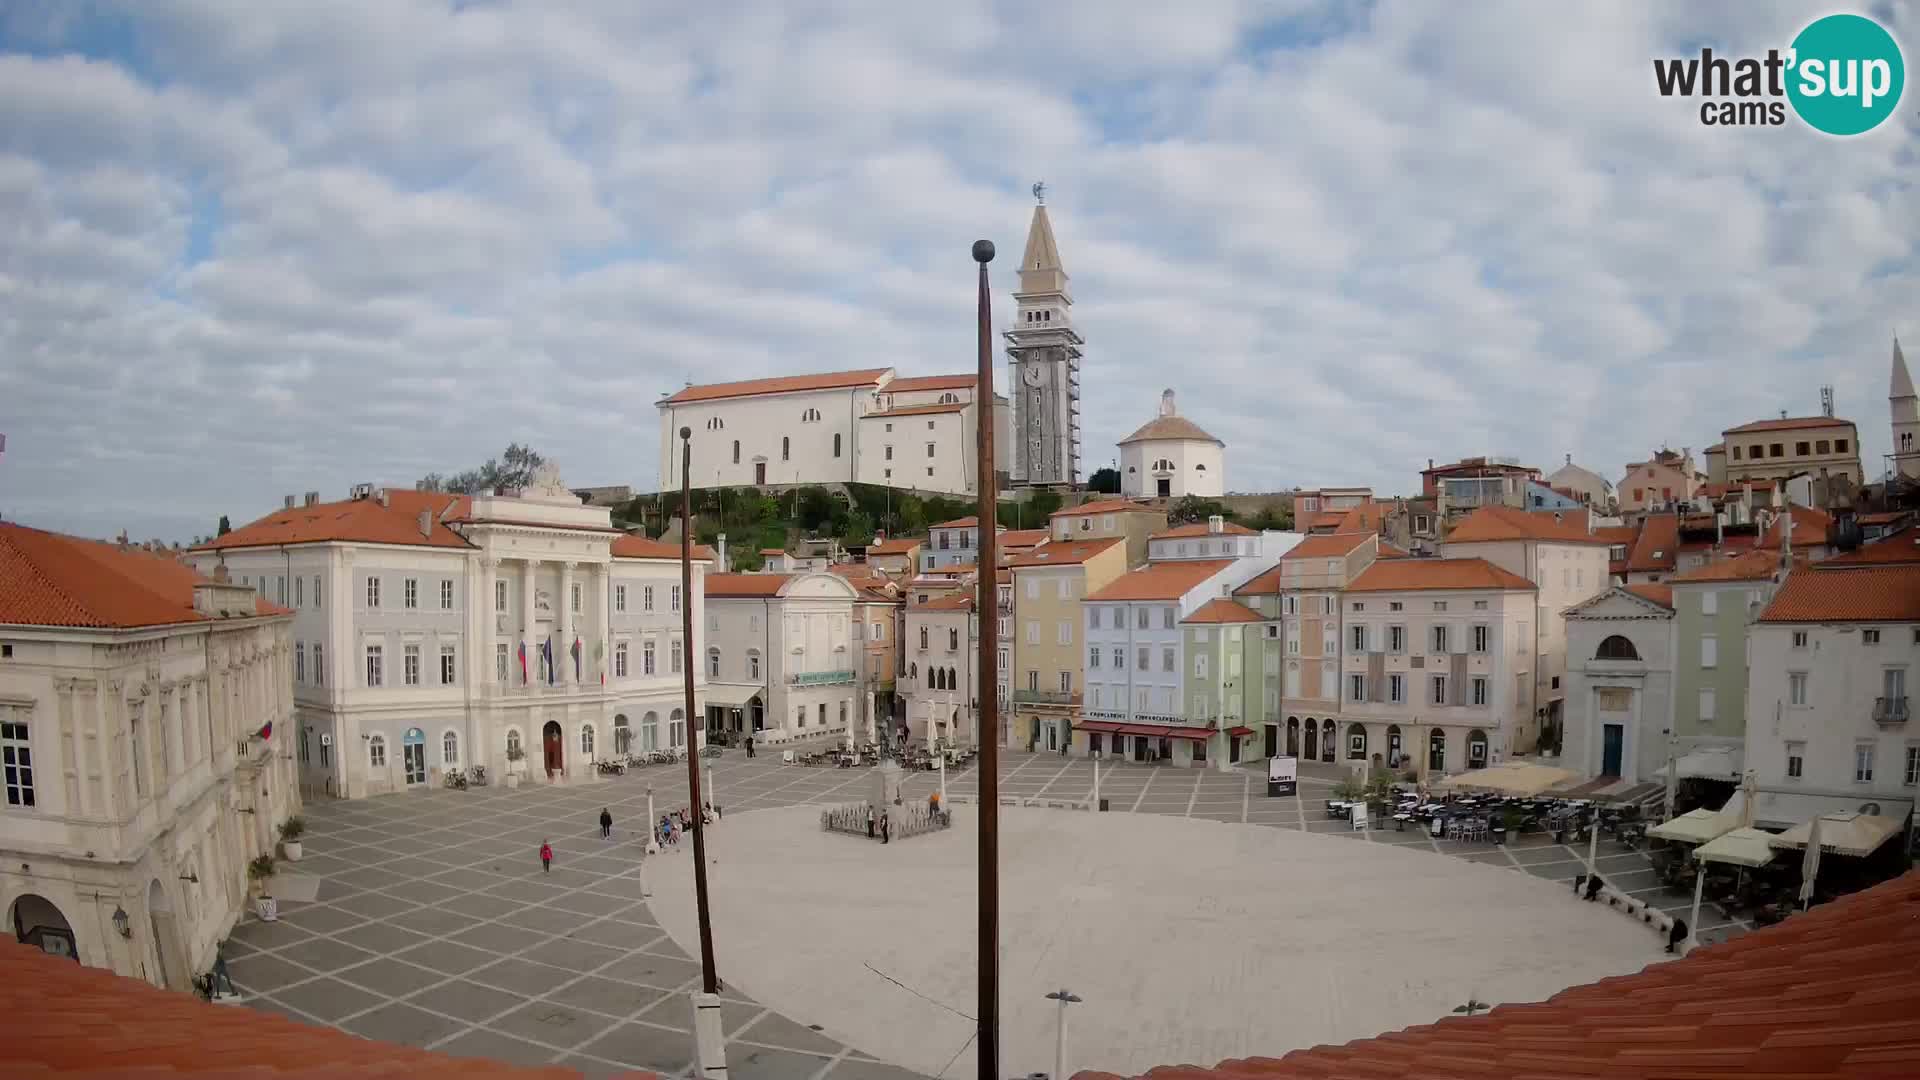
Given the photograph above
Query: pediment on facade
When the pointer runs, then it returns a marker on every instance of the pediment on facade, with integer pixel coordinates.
(1618, 603)
(816, 586)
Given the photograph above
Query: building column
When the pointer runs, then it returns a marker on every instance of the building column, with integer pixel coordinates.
(527, 621)
(563, 651)
(603, 619)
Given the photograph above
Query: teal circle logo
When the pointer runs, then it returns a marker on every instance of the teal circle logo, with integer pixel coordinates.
(1846, 74)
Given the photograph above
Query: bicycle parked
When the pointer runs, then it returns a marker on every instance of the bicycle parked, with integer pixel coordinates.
(457, 778)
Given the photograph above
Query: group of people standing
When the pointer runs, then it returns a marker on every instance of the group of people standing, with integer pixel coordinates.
(668, 830)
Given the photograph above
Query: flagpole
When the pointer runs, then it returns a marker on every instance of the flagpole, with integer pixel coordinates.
(987, 483)
(708, 1045)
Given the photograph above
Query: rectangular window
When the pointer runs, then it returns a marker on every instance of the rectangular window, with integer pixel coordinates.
(1869, 637)
(1822, 446)
(1359, 639)
(374, 666)
(1479, 690)
(1356, 688)
(446, 595)
(620, 598)
(1801, 449)
(574, 599)
(1064, 633)
(1707, 705)
(1093, 659)
(1799, 639)
(373, 592)
(1142, 618)
(674, 653)
(1439, 639)
(1200, 665)
(1166, 659)
(1093, 617)
(500, 662)
(1796, 760)
(1120, 659)
(1066, 682)
(16, 754)
(1910, 776)
(1481, 634)
(299, 661)
(1358, 606)
(1033, 587)
(1439, 689)
(1033, 632)
(1709, 651)
(1710, 602)
(299, 591)
(1396, 640)
(1064, 588)
(411, 594)
(647, 663)
(674, 603)
(1863, 763)
(1289, 605)
(446, 665)
(319, 664)
(929, 449)
(1439, 605)
(619, 660)
(316, 592)
(499, 596)
(1839, 446)
(1167, 616)
(1797, 688)
(410, 663)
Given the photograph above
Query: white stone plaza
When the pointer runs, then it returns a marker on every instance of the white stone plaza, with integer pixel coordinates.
(1190, 940)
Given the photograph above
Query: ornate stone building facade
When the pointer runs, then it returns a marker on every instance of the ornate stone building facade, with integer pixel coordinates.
(1043, 365)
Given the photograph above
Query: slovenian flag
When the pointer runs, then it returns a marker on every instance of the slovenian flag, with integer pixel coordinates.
(576, 659)
(523, 664)
(265, 732)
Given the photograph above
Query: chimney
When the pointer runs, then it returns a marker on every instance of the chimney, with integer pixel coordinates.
(382, 496)
(426, 523)
(1719, 529)
(723, 553)
(313, 498)
(288, 504)
(1216, 524)
(1786, 541)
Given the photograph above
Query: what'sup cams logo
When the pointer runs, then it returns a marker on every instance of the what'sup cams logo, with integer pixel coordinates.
(1843, 75)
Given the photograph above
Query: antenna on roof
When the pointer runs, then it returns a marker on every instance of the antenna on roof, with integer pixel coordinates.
(1826, 401)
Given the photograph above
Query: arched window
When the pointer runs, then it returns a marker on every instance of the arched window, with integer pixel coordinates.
(836, 444)
(450, 749)
(736, 451)
(1199, 468)
(650, 732)
(713, 663)
(622, 734)
(677, 728)
(953, 639)
(1356, 742)
(786, 448)
(753, 664)
(513, 742)
(1617, 648)
(377, 751)
(923, 637)
(1329, 733)
(913, 671)
(949, 399)
(1476, 749)
(953, 680)
(586, 739)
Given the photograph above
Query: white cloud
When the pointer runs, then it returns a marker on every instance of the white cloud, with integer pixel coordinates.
(247, 255)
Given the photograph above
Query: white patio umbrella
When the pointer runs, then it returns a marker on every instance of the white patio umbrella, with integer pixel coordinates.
(1810, 864)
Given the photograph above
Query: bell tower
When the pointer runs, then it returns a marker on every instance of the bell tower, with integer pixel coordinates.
(1905, 408)
(1043, 363)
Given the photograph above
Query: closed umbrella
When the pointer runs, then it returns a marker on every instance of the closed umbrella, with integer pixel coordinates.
(1810, 864)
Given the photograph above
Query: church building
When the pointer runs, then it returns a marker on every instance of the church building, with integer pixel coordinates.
(1171, 457)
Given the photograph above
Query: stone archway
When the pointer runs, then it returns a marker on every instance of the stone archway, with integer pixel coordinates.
(553, 748)
(37, 922)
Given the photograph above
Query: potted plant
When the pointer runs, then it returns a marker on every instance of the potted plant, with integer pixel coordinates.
(258, 871)
(290, 831)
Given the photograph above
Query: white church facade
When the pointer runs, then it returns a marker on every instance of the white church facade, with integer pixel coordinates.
(1171, 457)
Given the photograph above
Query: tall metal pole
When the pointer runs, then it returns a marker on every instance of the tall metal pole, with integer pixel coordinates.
(987, 596)
(709, 979)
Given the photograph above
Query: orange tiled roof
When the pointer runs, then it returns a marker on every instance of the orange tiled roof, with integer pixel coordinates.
(1506, 523)
(1104, 506)
(51, 579)
(1747, 566)
(1617, 534)
(954, 570)
(1328, 521)
(1848, 594)
(746, 586)
(1810, 526)
(362, 521)
(1900, 547)
(1658, 545)
(1326, 546)
(1826, 995)
(919, 410)
(894, 547)
(1063, 554)
(1402, 575)
(961, 600)
(1881, 517)
(1200, 528)
(1159, 581)
(1265, 583)
(1170, 428)
(632, 546)
(1223, 610)
(969, 522)
(1654, 591)
(68, 1022)
(1388, 551)
(930, 382)
(1022, 538)
(1788, 424)
(786, 384)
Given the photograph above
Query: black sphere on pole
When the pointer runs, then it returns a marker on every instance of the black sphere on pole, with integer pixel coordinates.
(983, 251)
(686, 433)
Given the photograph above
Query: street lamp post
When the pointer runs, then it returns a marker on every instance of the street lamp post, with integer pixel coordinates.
(987, 488)
(1065, 997)
(710, 1050)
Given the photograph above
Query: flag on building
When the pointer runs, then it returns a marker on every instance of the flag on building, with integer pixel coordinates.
(523, 664)
(265, 732)
(546, 655)
(576, 659)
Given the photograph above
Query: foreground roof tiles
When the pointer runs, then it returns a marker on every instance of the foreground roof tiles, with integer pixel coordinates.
(1821, 594)
(1658, 593)
(1506, 523)
(1059, 554)
(1657, 548)
(1325, 546)
(1826, 995)
(919, 410)
(51, 579)
(787, 384)
(1265, 583)
(639, 547)
(1159, 581)
(893, 547)
(1170, 428)
(930, 382)
(1223, 610)
(1748, 566)
(1404, 575)
(362, 521)
(746, 586)
(68, 1022)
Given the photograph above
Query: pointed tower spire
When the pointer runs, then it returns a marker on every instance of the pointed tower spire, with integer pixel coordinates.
(1040, 269)
(1905, 410)
(1902, 386)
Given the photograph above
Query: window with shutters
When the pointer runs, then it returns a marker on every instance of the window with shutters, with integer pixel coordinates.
(1439, 689)
(1481, 634)
(1709, 651)
(1479, 690)
(1397, 689)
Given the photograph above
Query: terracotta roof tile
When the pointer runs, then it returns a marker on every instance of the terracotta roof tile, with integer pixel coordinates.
(1826, 995)
(51, 579)
(1201, 528)
(1657, 548)
(1506, 523)
(1067, 554)
(1900, 547)
(1022, 538)
(1105, 506)
(1388, 551)
(959, 600)
(1810, 527)
(1654, 591)
(1265, 583)
(1170, 427)
(363, 521)
(1747, 566)
(971, 521)
(786, 384)
(1326, 546)
(894, 547)
(1617, 534)
(919, 410)
(930, 382)
(1159, 581)
(745, 586)
(632, 546)
(1788, 424)
(1223, 610)
(1826, 593)
(1402, 575)
(71, 1022)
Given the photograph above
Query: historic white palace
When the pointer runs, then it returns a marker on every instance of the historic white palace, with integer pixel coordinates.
(519, 633)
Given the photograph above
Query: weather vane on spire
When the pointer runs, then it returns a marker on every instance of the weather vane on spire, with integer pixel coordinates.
(1040, 193)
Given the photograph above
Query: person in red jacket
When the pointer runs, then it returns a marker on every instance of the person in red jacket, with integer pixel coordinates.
(546, 856)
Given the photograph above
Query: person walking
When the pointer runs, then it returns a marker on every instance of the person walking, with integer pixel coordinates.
(886, 828)
(870, 821)
(749, 747)
(546, 857)
(606, 823)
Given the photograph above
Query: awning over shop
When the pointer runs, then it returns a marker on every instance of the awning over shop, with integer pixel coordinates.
(1740, 847)
(1785, 809)
(1099, 727)
(1695, 826)
(1510, 777)
(1156, 731)
(1707, 763)
(732, 695)
(1240, 732)
(1848, 833)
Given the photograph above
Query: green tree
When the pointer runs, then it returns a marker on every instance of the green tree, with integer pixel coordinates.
(857, 529)
(225, 526)
(1105, 480)
(818, 508)
(512, 469)
(1192, 508)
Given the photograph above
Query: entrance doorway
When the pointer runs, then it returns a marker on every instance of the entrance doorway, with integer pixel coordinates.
(1233, 748)
(38, 923)
(1165, 487)
(550, 744)
(413, 756)
(1613, 739)
(760, 474)
(1293, 736)
(1273, 740)
(1311, 730)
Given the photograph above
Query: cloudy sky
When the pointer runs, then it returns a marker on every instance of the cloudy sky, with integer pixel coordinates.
(253, 249)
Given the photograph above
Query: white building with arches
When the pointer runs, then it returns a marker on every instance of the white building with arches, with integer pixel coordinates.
(1171, 457)
(519, 633)
(147, 753)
